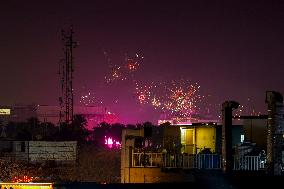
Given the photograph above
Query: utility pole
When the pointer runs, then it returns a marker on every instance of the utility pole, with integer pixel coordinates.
(275, 122)
(227, 154)
(66, 69)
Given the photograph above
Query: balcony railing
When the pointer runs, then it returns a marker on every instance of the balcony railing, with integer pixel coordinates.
(248, 163)
(200, 161)
(147, 159)
(195, 161)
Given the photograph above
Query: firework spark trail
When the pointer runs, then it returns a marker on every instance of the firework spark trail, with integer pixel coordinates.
(143, 93)
(247, 109)
(123, 71)
(182, 98)
(87, 99)
(179, 98)
(116, 73)
(132, 63)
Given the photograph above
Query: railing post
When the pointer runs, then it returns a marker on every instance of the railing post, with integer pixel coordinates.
(133, 159)
(183, 160)
(257, 162)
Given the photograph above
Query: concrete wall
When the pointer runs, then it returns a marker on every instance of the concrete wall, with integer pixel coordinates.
(153, 175)
(57, 151)
(38, 151)
(14, 150)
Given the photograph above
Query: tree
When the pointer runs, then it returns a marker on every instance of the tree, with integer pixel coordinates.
(49, 131)
(34, 128)
(77, 131)
(79, 128)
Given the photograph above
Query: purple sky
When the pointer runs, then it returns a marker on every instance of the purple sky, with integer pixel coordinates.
(233, 50)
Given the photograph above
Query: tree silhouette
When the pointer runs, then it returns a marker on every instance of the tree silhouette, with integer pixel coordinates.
(77, 131)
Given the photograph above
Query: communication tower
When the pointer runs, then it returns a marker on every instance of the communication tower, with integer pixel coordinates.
(66, 69)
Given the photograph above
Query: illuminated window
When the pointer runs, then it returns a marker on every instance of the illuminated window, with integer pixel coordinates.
(5, 111)
(242, 138)
(182, 135)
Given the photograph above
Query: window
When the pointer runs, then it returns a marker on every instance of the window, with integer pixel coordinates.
(242, 138)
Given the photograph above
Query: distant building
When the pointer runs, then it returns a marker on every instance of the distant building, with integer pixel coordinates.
(188, 120)
(45, 113)
(17, 113)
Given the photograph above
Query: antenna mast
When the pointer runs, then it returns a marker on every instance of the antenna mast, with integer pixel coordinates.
(66, 69)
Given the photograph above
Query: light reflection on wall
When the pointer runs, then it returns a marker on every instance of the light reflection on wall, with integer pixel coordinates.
(112, 143)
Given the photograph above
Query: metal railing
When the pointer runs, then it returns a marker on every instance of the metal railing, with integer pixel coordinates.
(195, 161)
(208, 161)
(147, 159)
(184, 161)
(248, 163)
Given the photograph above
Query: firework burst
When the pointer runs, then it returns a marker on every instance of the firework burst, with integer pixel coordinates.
(179, 98)
(143, 93)
(182, 100)
(132, 63)
(116, 73)
(87, 99)
(124, 70)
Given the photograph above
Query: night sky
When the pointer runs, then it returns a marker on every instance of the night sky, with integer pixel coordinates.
(233, 50)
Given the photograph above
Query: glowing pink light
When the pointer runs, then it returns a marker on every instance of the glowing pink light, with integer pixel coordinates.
(111, 143)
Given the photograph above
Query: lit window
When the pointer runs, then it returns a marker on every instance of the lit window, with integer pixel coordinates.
(182, 135)
(242, 138)
(5, 111)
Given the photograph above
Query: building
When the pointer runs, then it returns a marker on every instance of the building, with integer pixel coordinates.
(46, 113)
(187, 121)
(140, 164)
(17, 113)
(182, 148)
